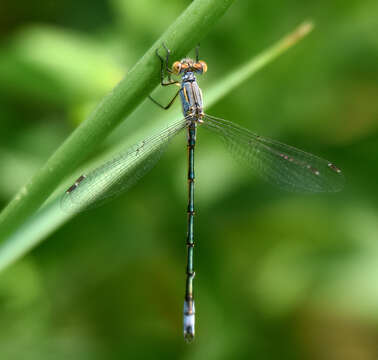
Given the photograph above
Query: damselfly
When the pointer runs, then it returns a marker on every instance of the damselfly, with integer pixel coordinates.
(286, 166)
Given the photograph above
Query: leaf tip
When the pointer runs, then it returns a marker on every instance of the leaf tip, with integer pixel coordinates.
(301, 31)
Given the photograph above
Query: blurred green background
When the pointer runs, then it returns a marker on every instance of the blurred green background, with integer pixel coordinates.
(279, 275)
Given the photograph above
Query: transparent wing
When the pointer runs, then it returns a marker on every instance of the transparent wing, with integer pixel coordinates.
(119, 174)
(289, 168)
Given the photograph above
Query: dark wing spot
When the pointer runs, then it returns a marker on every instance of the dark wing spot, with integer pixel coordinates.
(334, 168)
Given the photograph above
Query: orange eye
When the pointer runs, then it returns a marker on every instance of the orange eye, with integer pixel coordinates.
(200, 66)
(204, 65)
(176, 67)
(185, 66)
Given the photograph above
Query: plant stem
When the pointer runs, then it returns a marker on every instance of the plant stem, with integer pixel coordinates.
(181, 36)
(50, 217)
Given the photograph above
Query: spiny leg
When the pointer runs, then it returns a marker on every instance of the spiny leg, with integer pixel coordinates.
(165, 69)
(166, 107)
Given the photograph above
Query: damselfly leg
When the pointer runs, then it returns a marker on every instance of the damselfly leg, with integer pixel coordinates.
(165, 71)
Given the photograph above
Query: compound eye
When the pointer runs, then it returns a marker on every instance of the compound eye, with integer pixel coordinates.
(176, 67)
(200, 66)
(197, 67)
(203, 65)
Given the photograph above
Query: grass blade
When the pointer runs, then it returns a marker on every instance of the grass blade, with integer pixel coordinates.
(50, 217)
(182, 36)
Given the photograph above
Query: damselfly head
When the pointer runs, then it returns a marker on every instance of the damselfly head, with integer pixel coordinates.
(189, 65)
